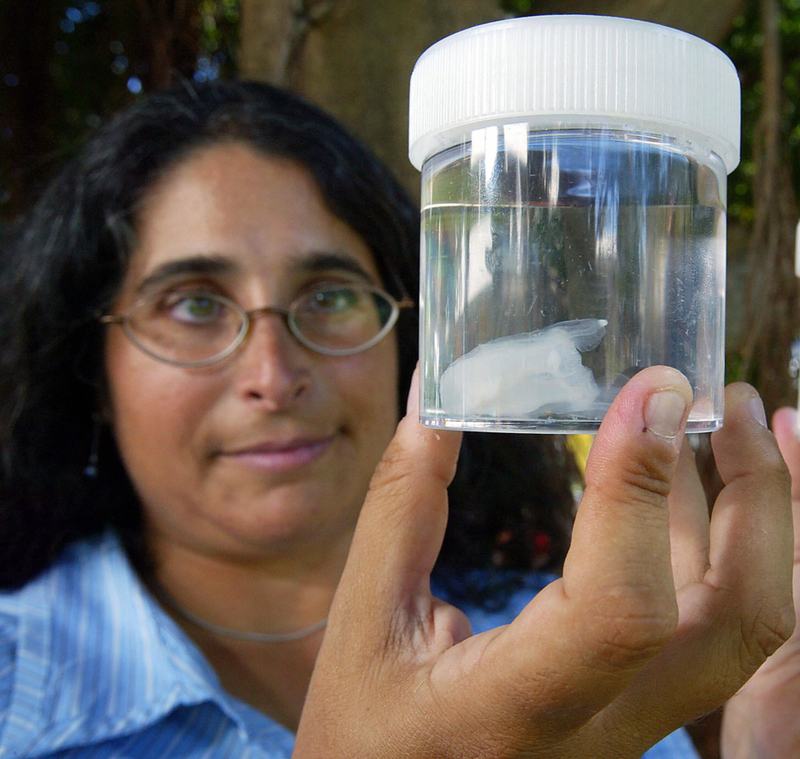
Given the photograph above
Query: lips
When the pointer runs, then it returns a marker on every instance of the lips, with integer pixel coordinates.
(279, 455)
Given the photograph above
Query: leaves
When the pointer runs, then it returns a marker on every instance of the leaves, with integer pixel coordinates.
(744, 46)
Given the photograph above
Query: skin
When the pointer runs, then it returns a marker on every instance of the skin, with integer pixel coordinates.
(758, 718)
(661, 614)
(251, 471)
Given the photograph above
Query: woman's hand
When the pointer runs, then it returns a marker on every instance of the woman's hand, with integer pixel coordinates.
(760, 722)
(659, 617)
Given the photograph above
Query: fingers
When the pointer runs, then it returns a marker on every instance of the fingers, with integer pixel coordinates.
(402, 523)
(688, 521)
(752, 540)
(621, 540)
(784, 425)
(608, 650)
(758, 721)
(741, 610)
(751, 525)
(615, 606)
(383, 623)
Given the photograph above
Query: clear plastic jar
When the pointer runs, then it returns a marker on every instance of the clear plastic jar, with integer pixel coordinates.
(573, 214)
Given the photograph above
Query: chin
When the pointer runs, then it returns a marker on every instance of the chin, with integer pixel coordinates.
(278, 528)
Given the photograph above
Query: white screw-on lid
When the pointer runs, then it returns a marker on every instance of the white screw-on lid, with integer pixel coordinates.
(575, 71)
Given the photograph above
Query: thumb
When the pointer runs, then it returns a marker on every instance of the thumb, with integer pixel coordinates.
(619, 562)
(615, 606)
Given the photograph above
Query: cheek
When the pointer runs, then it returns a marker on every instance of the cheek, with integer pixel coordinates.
(152, 411)
(372, 389)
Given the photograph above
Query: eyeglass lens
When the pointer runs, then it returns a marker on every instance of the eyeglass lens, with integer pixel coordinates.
(191, 328)
(340, 319)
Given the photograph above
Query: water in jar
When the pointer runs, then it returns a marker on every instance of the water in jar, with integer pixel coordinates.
(555, 265)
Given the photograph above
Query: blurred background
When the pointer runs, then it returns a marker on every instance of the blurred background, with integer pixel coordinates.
(65, 65)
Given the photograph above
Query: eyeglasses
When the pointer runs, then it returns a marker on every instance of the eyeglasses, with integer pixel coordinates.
(196, 328)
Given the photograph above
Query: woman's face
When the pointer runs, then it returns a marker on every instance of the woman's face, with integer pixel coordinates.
(270, 450)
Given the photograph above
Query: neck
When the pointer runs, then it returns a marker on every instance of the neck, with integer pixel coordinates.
(211, 597)
(227, 632)
(251, 597)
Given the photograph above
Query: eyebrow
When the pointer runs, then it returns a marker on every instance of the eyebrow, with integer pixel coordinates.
(333, 261)
(200, 265)
(215, 265)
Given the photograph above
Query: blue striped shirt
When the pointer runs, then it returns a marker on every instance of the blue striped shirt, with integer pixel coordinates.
(92, 667)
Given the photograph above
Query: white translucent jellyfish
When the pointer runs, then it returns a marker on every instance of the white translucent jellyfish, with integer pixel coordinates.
(515, 376)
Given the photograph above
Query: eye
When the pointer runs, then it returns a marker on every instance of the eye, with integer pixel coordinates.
(193, 308)
(333, 300)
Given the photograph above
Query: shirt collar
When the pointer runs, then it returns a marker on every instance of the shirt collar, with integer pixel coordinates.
(96, 657)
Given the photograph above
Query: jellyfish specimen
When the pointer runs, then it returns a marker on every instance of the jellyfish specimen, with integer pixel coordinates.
(520, 375)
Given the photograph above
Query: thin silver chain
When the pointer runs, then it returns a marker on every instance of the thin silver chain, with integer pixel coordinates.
(256, 637)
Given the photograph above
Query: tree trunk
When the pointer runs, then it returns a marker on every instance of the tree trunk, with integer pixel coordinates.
(772, 312)
(354, 58)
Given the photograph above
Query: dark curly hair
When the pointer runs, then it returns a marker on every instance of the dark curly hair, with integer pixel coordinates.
(63, 264)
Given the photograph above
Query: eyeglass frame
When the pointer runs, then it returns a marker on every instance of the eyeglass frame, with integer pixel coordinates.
(287, 315)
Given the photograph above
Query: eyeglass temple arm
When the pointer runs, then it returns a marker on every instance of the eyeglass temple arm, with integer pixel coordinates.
(111, 318)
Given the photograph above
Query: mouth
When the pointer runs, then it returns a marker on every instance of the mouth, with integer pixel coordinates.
(278, 456)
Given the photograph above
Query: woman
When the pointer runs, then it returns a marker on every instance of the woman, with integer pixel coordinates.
(236, 476)
(201, 374)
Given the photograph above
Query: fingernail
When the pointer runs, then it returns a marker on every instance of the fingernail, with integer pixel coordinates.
(756, 406)
(664, 412)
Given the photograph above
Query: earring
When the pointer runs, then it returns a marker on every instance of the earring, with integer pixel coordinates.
(90, 470)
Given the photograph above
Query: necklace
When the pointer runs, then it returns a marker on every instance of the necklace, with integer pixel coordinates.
(256, 637)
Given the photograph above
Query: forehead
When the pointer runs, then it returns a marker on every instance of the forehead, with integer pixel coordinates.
(262, 215)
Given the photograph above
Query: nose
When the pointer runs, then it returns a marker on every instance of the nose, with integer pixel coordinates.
(272, 368)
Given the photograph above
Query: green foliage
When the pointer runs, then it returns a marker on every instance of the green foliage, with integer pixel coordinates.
(734, 368)
(89, 75)
(517, 7)
(219, 38)
(744, 46)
